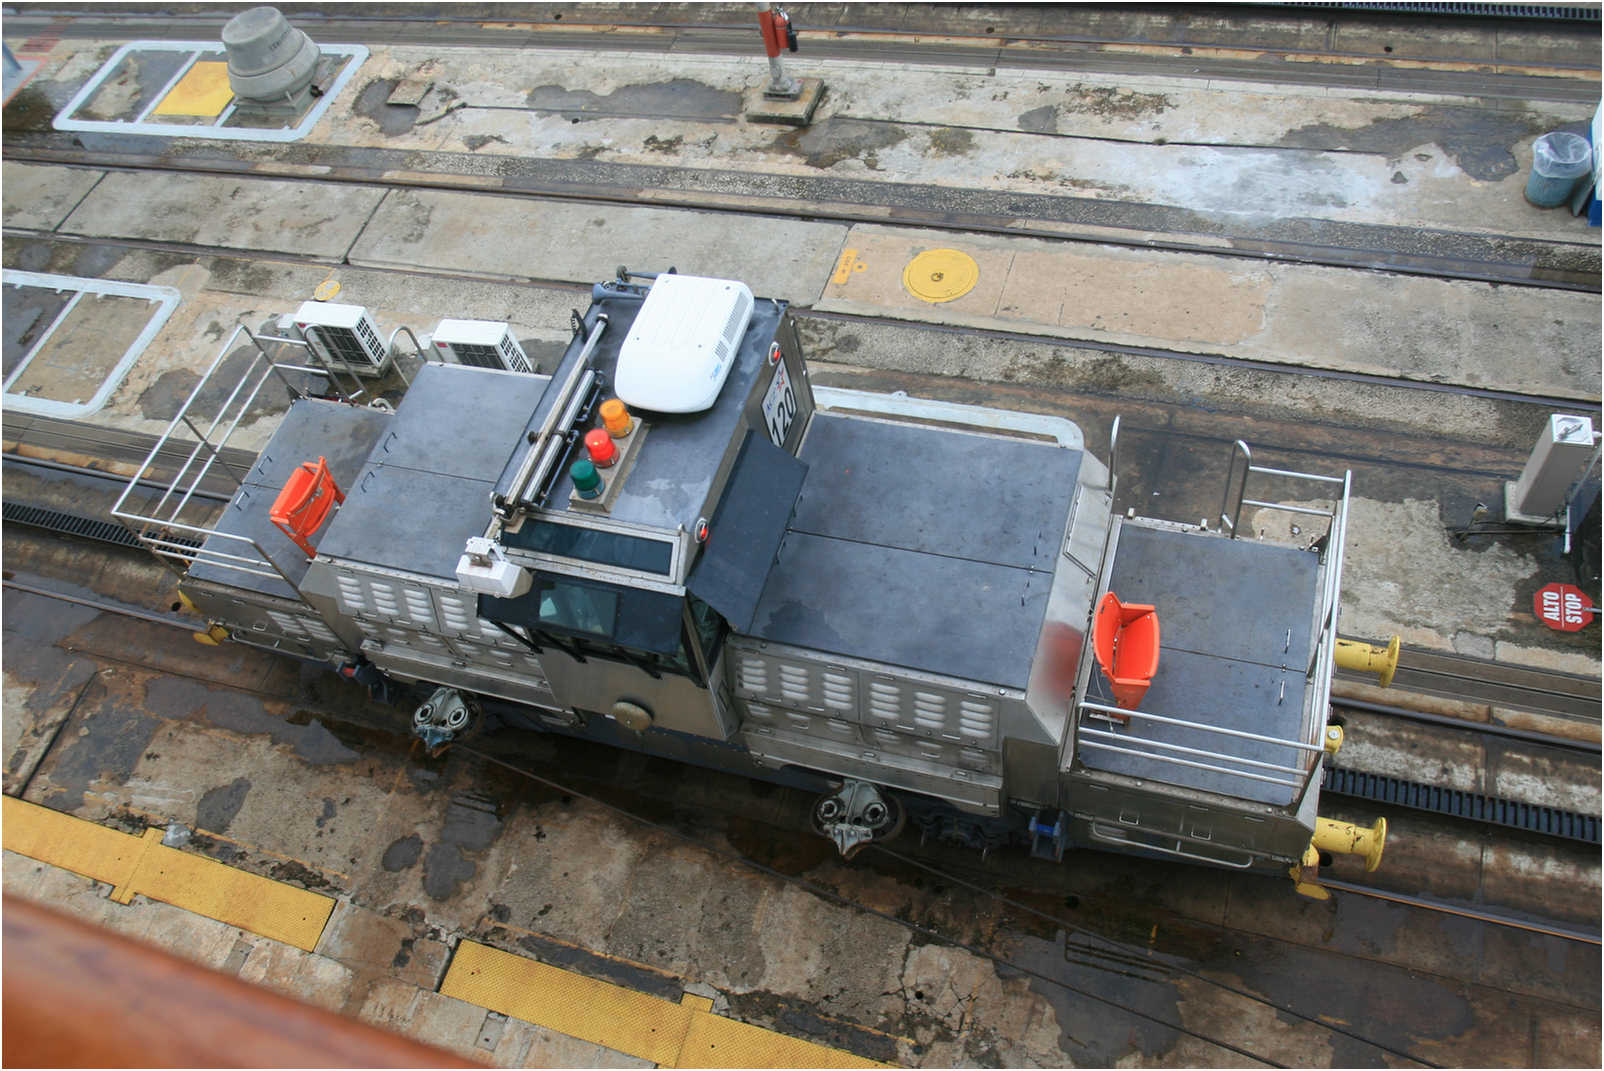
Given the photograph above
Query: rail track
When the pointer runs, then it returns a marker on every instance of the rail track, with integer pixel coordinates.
(1506, 260)
(1308, 53)
(1461, 677)
(808, 315)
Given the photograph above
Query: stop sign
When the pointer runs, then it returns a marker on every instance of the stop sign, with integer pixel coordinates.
(1562, 606)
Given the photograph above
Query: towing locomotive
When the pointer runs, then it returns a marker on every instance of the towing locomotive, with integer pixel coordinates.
(927, 613)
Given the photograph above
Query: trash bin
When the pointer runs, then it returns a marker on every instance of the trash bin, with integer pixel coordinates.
(1558, 161)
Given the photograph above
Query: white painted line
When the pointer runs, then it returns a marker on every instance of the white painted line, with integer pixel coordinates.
(355, 55)
(66, 310)
(164, 297)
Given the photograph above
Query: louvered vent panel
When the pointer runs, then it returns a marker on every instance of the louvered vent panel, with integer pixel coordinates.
(752, 674)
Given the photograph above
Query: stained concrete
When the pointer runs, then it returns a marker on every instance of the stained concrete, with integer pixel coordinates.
(1533, 342)
(509, 238)
(1217, 146)
(203, 210)
(38, 197)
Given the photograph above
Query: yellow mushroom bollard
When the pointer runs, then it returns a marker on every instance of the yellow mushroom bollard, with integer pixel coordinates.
(1346, 838)
(1368, 658)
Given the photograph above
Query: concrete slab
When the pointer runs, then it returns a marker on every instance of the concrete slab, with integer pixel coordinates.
(1473, 334)
(36, 197)
(203, 210)
(513, 238)
(1217, 146)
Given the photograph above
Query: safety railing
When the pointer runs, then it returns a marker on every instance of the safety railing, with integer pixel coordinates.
(1310, 742)
(168, 507)
(1294, 776)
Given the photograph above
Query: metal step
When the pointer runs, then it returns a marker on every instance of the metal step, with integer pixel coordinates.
(1453, 803)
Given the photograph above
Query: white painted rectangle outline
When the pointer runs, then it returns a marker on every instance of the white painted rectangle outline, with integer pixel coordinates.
(165, 297)
(357, 55)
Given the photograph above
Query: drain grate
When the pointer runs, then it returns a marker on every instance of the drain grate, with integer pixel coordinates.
(1572, 12)
(1492, 810)
(74, 524)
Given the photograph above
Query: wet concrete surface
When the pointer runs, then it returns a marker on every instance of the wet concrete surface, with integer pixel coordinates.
(678, 98)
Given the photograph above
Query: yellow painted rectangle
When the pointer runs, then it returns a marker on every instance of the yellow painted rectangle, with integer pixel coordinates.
(714, 1041)
(647, 1027)
(251, 902)
(599, 1012)
(203, 92)
(148, 867)
(70, 843)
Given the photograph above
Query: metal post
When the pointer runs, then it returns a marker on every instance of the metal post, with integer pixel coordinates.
(776, 26)
(1230, 476)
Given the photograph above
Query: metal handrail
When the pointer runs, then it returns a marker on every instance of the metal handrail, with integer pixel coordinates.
(1218, 730)
(1319, 673)
(417, 351)
(1232, 518)
(155, 525)
(539, 458)
(1113, 458)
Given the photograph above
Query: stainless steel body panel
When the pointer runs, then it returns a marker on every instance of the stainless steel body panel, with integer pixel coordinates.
(934, 735)
(445, 667)
(269, 621)
(675, 702)
(904, 536)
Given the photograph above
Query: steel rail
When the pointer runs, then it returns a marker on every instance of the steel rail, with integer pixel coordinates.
(101, 474)
(876, 198)
(1548, 928)
(105, 606)
(1479, 727)
(988, 45)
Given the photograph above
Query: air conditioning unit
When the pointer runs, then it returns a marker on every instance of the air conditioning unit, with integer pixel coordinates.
(683, 343)
(481, 343)
(343, 336)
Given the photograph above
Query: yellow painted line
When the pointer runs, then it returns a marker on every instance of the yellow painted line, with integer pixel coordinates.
(70, 843)
(203, 92)
(145, 866)
(637, 1024)
(845, 266)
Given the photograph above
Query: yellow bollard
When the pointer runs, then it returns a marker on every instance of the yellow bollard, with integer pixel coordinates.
(1368, 658)
(1345, 838)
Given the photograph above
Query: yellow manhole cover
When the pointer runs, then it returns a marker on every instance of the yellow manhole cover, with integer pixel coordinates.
(938, 275)
(326, 290)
